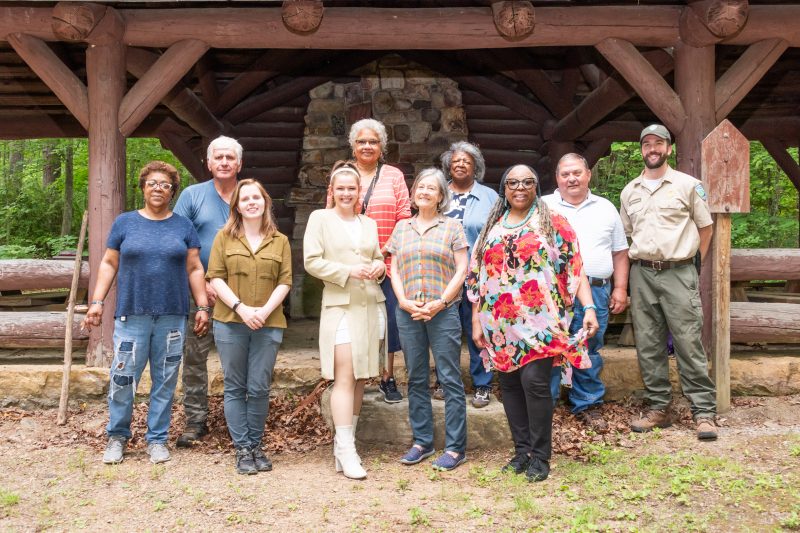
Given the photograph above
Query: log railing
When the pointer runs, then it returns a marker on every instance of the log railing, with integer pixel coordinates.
(38, 329)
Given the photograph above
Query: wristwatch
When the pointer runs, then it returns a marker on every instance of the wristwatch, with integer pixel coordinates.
(236, 304)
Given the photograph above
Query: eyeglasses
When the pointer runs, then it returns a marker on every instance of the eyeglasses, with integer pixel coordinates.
(528, 183)
(163, 185)
(367, 142)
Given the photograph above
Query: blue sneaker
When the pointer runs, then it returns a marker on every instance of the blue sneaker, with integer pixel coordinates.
(448, 462)
(415, 455)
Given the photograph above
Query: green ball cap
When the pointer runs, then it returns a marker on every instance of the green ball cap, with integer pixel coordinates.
(655, 129)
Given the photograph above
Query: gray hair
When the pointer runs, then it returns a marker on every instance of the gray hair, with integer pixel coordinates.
(225, 143)
(440, 181)
(469, 149)
(572, 156)
(368, 124)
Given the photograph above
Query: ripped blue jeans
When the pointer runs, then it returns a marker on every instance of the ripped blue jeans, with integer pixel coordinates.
(139, 339)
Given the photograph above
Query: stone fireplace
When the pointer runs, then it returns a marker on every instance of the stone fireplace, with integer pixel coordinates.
(422, 113)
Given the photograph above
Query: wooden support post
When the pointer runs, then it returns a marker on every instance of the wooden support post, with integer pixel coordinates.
(725, 160)
(159, 80)
(784, 160)
(645, 79)
(105, 71)
(181, 150)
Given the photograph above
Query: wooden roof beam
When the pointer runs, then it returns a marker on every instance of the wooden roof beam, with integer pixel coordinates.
(180, 100)
(784, 160)
(539, 84)
(207, 81)
(263, 69)
(401, 28)
(298, 86)
(485, 86)
(54, 73)
(157, 82)
(38, 125)
(756, 129)
(645, 79)
(181, 150)
(742, 76)
(612, 93)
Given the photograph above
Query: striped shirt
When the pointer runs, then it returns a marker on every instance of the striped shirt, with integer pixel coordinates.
(388, 205)
(426, 262)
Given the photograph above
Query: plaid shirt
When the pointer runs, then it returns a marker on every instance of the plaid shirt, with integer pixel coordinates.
(426, 262)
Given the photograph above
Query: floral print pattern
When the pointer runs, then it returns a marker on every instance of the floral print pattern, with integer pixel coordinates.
(525, 289)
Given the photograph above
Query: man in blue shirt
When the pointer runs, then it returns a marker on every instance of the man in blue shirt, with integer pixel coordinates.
(207, 205)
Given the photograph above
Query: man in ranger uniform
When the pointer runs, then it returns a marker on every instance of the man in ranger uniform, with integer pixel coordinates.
(667, 218)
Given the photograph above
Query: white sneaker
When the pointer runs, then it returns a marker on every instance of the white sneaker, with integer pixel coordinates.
(115, 449)
(158, 452)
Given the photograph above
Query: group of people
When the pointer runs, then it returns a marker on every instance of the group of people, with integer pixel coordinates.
(528, 279)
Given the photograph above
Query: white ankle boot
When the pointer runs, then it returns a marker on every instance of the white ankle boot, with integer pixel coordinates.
(355, 426)
(347, 460)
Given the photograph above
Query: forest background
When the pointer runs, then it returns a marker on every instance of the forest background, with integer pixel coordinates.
(43, 193)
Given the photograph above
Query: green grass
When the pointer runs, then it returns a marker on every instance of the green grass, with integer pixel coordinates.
(8, 498)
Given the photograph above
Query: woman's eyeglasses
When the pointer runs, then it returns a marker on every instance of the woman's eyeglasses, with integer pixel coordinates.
(163, 185)
(525, 184)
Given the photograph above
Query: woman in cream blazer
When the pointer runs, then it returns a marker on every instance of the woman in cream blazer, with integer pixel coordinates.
(340, 247)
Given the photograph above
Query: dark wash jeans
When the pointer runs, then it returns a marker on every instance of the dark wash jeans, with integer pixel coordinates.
(442, 336)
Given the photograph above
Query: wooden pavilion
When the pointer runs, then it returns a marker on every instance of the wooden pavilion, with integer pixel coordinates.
(537, 78)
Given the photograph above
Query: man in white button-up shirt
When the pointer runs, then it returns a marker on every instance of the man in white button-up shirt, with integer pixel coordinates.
(604, 249)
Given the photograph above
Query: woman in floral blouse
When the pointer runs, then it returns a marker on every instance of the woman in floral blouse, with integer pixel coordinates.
(526, 271)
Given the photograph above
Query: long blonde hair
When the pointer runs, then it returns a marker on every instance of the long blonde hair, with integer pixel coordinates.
(234, 226)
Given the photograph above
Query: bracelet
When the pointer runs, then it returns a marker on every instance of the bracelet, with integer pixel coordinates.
(236, 304)
(590, 306)
(98, 302)
(205, 308)
(445, 302)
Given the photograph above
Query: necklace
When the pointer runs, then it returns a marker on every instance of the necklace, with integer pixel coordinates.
(366, 171)
(524, 221)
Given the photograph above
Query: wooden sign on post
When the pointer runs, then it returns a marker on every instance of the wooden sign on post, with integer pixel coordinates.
(725, 161)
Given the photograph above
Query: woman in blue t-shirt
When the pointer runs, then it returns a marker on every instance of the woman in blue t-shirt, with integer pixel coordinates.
(154, 254)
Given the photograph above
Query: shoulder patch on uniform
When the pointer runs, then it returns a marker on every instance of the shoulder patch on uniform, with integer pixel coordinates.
(701, 192)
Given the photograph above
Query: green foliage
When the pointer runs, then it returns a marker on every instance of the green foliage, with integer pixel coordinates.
(31, 210)
(773, 218)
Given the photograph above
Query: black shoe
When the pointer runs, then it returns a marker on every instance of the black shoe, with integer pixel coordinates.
(262, 462)
(518, 464)
(538, 470)
(390, 392)
(191, 435)
(244, 461)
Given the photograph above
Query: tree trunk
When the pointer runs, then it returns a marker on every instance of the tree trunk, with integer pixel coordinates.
(51, 162)
(66, 216)
(16, 166)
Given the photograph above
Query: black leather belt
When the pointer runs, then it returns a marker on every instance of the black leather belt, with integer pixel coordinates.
(597, 282)
(664, 265)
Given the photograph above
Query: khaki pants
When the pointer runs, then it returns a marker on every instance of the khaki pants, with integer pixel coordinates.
(669, 300)
(195, 374)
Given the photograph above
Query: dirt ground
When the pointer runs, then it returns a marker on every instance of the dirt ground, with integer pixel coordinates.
(51, 478)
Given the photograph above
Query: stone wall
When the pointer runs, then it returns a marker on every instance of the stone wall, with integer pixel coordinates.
(422, 113)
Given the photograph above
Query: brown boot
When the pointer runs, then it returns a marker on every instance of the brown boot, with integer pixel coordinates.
(706, 429)
(654, 418)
